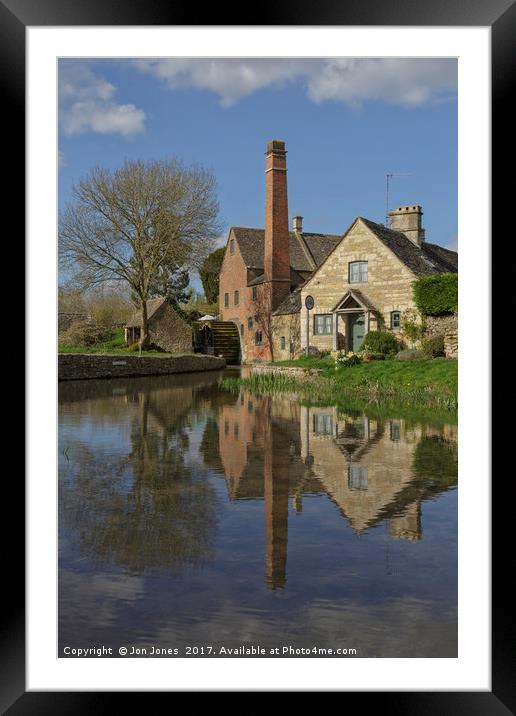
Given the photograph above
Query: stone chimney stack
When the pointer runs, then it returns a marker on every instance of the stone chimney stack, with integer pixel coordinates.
(277, 236)
(407, 219)
(297, 224)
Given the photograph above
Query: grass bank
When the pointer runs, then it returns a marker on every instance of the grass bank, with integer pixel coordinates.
(420, 384)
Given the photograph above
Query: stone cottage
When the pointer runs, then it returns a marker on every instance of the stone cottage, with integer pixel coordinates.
(359, 281)
(167, 329)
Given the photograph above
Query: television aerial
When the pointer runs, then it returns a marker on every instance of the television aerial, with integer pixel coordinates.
(388, 177)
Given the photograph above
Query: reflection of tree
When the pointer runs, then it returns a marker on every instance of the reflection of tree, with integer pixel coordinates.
(145, 510)
(435, 461)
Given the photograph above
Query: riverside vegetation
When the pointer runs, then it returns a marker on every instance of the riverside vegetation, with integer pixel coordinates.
(427, 383)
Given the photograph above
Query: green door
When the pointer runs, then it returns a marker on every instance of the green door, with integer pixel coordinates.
(357, 330)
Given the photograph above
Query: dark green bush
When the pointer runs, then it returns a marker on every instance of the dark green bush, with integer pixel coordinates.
(436, 295)
(410, 354)
(433, 347)
(383, 342)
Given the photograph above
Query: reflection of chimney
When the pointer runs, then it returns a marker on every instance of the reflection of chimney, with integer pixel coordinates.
(408, 525)
(277, 236)
(407, 219)
(276, 484)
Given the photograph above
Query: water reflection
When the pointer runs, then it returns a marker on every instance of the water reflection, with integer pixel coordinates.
(373, 470)
(177, 500)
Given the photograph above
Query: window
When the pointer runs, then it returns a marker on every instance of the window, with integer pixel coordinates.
(357, 272)
(395, 320)
(254, 293)
(226, 300)
(323, 324)
(323, 424)
(242, 330)
(258, 338)
(232, 247)
(283, 343)
(250, 322)
(357, 477)
(395, 430)
(236, 298)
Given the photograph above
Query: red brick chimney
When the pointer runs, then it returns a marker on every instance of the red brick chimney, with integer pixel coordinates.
(277, 236)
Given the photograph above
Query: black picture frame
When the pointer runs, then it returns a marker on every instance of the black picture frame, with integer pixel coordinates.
(500, 15)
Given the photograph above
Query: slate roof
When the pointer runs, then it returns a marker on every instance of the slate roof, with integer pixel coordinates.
(424, 260)
(292, 303)
(153, 305)
(251, 244)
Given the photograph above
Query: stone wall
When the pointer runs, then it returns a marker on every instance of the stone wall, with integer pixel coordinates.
(82, 366)
(168, 331)
(286, 326)
(446, 326)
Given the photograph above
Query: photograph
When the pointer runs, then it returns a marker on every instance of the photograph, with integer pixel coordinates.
(258, 348)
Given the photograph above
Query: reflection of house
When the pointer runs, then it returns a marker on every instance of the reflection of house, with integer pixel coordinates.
(274, 449)
(167, 329)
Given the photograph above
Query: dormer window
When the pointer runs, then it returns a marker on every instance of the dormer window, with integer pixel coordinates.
(357, 271)
(232, 247)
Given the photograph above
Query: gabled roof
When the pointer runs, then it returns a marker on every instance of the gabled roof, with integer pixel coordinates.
(153, 305)
(358, 297)
(251, 244)
(422, 260)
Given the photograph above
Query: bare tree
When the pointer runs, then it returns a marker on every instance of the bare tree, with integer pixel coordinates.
(125, 224)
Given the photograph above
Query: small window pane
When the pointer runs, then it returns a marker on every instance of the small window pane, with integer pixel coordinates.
(226, 300)
(236, 298)
(283, 343)
(232, 246)
(250, 322)
(323, 324)
(254, 293)
(358, 272)
(242, 330)
(395, 319)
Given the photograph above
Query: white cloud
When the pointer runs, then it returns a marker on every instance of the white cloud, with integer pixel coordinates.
(61, 161)
(86, 104)
(406, 81)
(396, 81)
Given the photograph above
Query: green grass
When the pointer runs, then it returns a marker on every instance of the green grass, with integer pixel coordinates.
(115, 346)
(427, 384)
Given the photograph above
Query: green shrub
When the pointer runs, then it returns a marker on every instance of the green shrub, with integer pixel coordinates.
(383, 342)
(433, 347)
(436, 295)
(410, 354)
(412, 326)
(85, 333)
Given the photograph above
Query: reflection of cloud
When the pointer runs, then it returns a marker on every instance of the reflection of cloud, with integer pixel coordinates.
(94, 598)
(404, 627)
(87, 104)
(409, 82)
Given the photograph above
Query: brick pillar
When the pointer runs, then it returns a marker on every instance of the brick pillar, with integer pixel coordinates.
(277, 236)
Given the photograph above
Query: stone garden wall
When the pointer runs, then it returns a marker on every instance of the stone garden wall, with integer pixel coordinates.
(446, 326)
(81, 366)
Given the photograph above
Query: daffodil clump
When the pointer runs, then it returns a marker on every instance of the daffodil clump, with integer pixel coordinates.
(346, 359)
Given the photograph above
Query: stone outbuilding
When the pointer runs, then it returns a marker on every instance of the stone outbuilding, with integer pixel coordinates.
(167, 329)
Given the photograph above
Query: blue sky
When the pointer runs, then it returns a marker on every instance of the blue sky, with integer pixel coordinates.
(345, 123)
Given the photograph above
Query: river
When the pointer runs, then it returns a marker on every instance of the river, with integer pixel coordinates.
(195, 518)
